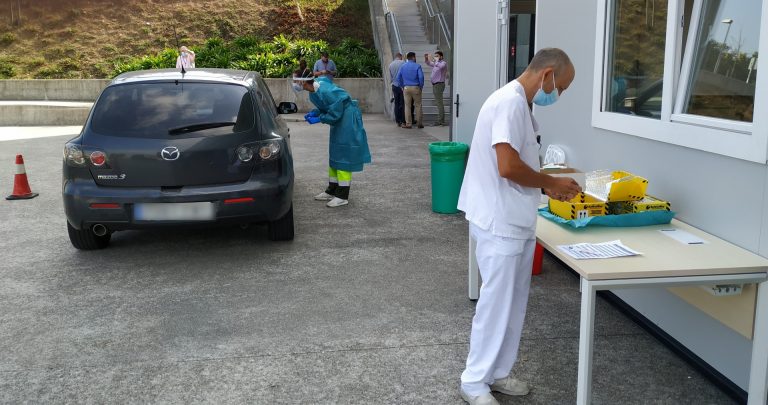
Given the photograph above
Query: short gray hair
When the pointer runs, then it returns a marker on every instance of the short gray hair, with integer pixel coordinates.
(550, 57)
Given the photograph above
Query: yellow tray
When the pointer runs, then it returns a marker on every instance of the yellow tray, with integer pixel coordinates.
(581, 206)
(626, 187)
(648, 203)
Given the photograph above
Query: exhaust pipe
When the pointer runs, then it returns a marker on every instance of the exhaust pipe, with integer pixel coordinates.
(99, 230)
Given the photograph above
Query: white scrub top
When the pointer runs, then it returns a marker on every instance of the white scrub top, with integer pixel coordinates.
(490, 201)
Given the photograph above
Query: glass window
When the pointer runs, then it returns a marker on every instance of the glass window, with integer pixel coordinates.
(636, 57)
(724, 68)
(169, 110)
(690, 66)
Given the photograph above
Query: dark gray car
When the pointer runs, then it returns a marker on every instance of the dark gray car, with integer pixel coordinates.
(165, 148)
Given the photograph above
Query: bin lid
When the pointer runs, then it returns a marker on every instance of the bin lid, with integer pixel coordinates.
(448, 148)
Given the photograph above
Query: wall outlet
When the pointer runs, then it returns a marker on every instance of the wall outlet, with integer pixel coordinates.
(722, 290)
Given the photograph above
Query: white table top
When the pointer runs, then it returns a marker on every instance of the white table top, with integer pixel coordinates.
(662, 256)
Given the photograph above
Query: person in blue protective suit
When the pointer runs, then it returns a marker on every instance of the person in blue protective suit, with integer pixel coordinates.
(348, 144)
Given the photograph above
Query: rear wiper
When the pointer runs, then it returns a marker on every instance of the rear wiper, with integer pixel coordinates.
(199, 127)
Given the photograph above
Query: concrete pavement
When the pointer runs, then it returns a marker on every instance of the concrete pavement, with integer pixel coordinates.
(367, 305)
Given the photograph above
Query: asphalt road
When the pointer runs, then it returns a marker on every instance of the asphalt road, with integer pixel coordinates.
(367, 305)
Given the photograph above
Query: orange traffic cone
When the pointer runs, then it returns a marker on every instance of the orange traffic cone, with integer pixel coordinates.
(21, 190)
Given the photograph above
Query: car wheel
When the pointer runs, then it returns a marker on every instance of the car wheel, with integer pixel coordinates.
(85, 239)
(282, 229)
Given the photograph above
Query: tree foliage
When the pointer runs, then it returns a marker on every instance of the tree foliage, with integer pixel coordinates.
(275, 58)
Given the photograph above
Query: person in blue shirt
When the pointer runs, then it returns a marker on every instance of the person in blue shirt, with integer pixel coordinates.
(324, 67)
(411, 77)
(348, 143)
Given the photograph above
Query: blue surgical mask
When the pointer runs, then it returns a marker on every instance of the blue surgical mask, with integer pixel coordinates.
(543, 98)
(297, 87)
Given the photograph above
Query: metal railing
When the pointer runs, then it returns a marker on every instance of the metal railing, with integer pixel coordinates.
(434, 21)
(392, 28)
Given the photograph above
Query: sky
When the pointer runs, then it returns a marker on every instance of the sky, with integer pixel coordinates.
(746, 22)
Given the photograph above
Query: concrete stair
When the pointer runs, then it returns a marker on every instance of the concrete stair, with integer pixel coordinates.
(414, 39)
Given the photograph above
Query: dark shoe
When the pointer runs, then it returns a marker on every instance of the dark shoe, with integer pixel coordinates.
(406, 126)
(421, 126)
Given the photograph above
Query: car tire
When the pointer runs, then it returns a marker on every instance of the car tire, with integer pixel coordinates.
(282, 229)
(85, 239)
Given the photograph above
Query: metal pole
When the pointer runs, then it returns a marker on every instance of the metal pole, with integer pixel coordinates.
(722, 49)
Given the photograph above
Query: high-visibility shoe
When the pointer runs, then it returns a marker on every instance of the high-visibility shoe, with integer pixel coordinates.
(510, 386)
(324, 197)
(485, 399)
(336, 202)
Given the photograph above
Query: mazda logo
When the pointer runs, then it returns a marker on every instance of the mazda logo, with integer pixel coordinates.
(170, 153)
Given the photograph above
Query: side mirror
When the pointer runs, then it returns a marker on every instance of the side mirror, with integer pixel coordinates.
(287, 108)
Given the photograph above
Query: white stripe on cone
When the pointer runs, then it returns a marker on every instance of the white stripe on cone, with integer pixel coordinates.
(20, 169)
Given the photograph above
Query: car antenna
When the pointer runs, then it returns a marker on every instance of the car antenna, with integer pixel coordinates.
(176, 35)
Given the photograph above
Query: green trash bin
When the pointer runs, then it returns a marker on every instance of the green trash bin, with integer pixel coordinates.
(448, 160)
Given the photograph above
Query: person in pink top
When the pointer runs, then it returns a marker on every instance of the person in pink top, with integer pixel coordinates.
(186, 58)
(439, 72)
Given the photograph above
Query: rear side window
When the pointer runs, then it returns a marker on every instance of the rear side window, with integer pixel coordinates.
(170, 110)
(270, 102)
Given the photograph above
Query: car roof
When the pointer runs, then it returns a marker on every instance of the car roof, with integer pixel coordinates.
(243, 77)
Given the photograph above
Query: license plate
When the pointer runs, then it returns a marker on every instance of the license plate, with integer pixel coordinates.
(194, 211)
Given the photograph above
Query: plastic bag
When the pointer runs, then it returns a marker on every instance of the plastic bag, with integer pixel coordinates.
(554, 156)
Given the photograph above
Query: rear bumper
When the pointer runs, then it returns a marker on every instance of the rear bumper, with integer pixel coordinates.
(272, 198)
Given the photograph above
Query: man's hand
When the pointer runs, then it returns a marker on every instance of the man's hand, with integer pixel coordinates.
(563, 188)
(313, 120)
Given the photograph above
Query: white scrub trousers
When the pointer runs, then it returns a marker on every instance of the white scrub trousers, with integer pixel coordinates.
(505, 268)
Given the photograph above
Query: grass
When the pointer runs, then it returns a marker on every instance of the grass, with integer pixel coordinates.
(89, 38)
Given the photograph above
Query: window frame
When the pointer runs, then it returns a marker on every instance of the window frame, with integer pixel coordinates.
(740, 140)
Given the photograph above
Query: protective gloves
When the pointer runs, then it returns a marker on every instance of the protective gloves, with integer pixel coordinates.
(312, 120)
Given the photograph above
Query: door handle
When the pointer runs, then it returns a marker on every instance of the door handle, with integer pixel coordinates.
(456, 103)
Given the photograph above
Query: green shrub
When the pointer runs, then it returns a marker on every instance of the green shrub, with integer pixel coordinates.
(277, 57)
(7, 70)
(34, 62)
(7, 38)
(49, 72)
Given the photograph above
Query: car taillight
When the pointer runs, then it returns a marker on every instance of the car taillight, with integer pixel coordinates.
(269, 150)
(73, 155)
(244, 153)
(98, 158)
(239, 200)
(266, 150)
(105, 206)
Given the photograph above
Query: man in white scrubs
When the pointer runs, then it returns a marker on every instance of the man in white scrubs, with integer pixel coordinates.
(500, 196)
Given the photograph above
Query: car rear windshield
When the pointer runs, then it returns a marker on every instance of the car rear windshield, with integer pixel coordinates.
(173, 110)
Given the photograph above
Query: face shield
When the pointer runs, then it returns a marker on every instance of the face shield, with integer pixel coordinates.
(297, 83)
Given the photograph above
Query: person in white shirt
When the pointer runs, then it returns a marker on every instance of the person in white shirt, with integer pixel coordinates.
(186, 58)
(500, 196)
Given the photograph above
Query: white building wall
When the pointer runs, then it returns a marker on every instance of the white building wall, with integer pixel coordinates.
(721, 195)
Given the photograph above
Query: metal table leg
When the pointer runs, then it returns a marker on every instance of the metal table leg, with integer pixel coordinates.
(758, 375)
(586, 340)
(474, 271)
